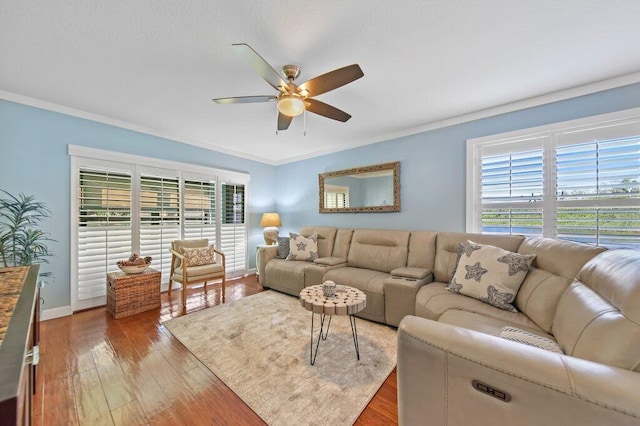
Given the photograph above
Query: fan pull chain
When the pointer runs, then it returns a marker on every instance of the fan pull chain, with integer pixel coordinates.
(277, 112)
(304, 119)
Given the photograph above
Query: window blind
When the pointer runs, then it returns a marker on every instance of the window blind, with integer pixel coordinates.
(512, 188)
(233, 238)
(577, 180)
(200, 210)
(598, 192)
(104, 228)
(159, 219)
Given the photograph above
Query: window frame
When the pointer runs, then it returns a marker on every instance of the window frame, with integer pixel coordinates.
(87, 158)
(602, 127)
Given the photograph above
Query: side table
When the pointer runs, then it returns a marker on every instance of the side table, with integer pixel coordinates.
(129, 294)
(347, 301)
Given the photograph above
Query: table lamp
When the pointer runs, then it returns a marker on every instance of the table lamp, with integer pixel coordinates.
(270, 223)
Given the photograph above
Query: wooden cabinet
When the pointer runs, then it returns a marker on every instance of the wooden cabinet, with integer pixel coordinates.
(19, 334)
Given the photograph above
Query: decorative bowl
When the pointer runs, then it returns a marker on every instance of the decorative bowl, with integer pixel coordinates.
(133, 269)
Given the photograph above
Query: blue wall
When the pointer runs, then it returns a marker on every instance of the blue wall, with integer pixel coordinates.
(34, 161)
(432, 167)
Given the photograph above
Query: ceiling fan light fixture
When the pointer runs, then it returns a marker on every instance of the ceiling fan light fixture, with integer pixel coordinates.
(290, 104)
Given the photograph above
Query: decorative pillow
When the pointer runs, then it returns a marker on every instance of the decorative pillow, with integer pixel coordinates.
(283, 247)
(490, 274)
(303, 248)
(522, 336)
(198, 255)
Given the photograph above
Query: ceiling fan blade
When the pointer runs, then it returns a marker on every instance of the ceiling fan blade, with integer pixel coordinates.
(261, 66)
(331, 80)
(283, 121)
(325, 110)
(245, 99)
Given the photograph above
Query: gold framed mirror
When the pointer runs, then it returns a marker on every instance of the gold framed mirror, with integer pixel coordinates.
(367, 189)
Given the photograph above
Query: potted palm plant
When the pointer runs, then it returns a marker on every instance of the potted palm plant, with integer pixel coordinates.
(22, 242)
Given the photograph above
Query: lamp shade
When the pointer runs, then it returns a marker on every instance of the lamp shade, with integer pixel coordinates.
(270, 219)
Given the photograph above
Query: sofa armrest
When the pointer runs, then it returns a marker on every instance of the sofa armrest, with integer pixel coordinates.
(400, 297)
(437, 363)
(263, 255)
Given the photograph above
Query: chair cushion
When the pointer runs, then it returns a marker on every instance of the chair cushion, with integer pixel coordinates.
(490, 274)
(198, 255)
(201, 272)
(178, 244)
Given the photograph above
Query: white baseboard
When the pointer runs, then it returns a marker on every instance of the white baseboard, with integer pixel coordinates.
(52, 313)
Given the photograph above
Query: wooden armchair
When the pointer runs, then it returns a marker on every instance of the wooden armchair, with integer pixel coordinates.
(206, 265)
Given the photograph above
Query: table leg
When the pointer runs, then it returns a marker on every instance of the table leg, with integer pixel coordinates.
(321, 336)
(354, 334)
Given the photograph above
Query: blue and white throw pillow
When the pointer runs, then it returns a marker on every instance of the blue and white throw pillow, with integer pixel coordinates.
(490, 274)
(303, 248)
(283, 247)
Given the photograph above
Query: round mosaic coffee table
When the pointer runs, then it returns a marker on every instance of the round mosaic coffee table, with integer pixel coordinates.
(347, 301)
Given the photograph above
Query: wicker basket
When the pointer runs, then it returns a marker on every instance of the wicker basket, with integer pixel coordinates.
(129, 294)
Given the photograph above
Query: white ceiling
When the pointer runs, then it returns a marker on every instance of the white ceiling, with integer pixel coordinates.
(154, 65)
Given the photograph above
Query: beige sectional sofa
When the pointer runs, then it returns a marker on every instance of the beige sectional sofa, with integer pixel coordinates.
(452, 366)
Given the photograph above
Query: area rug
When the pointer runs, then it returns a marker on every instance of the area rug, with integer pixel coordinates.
(259, 347)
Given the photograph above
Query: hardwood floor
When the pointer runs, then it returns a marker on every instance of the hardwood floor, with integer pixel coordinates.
(95, 370)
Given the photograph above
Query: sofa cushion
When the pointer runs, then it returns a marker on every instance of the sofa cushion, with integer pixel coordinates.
(303, 248)
(378, 250)
(369, 281)
(490, 274)
(422, 249)
(556, 264)
(285, 275)
(342, 243)
(330, 261)
(198, 256)
(411, 272)
(598, 317)
(433, 300)
(484, 324)
(522, 336)
(447, 249)
(283, 247)
(326, 238)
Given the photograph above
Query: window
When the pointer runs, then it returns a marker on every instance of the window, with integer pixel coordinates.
(104, 228)
(233, 229)
(336, 196)
(577, 181)
(159, 219)
(124, 206)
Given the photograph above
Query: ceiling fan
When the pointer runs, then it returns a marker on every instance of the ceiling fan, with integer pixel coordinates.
(292, 99)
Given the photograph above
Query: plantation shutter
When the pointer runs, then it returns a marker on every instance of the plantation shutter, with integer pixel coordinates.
(598, 191)
(159, 219)
(512, 187)
(104, 230)
(200, 210)
(233, 238)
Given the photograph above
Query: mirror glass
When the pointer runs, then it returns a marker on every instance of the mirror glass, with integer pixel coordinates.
(362, 189)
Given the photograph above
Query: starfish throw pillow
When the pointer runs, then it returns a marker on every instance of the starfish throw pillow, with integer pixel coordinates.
(490, 274)
(303, 248)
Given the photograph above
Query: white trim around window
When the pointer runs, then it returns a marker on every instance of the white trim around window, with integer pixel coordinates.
(162, 208)
(577, 180)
